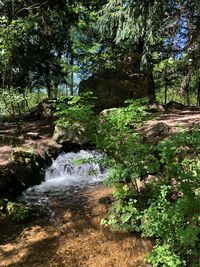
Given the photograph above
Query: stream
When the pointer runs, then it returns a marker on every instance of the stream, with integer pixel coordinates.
(69, 233)
(69, 174)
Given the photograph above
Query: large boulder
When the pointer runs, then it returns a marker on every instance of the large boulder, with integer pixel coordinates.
(113, 87)
(158, 132)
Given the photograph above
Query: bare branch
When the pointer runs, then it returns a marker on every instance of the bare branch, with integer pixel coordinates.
(32, 7)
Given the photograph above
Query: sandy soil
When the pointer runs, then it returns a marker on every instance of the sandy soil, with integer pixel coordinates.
(73, 237)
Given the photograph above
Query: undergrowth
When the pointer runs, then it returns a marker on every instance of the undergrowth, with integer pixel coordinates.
(157, 184)
(18, 212)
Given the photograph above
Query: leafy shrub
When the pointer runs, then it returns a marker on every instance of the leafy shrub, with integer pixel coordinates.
(165, 207)
(19, 212)
(163, 256)
(76, 111)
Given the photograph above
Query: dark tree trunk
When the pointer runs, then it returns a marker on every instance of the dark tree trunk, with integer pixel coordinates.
(71, 85)
(165, 94)
(152, 95)
(185, 86)
(198, 94)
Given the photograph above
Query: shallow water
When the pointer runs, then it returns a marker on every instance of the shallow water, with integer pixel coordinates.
(68, 232)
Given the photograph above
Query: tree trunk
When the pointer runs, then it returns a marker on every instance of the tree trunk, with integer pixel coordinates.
(52, 92)
(165, 94)
(185, 86)
(152, 95)
(198, 94)
(71, 83)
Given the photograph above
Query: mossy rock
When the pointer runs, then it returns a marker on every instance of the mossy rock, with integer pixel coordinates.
(76, 134)
(21, 154)
(26, 169)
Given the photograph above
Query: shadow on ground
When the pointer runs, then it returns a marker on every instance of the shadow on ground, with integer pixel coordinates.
(72, 237)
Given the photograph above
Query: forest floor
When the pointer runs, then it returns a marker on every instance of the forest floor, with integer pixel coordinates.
(73, 237)
(10, 137)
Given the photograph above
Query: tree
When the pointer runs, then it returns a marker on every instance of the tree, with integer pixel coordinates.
(35, 37)
(135, 26)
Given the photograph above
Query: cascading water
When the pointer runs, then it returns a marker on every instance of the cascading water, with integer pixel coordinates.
(69, 172)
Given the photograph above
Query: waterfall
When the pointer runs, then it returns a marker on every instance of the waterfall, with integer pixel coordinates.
(69, 170)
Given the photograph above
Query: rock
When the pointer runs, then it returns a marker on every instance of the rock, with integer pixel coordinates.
(5, 177)
(158, 131)
(32, 135)
(175, 106)
(46, 107)
(157, 107)
(75, 135)
(105, 113)
(112, 87)
(25, 169)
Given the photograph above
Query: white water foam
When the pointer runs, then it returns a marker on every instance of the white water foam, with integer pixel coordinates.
(68, 170)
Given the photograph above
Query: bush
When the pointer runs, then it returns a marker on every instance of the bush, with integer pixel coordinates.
(75, 112)
(165, 207)
(19, 212)
(163, 256)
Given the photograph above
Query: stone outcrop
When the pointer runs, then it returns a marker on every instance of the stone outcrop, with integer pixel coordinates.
(157, 107)
(113, 87)
(25, 169)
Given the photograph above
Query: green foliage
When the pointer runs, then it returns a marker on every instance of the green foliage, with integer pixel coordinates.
(169, 213)
(124, 213)
(13, 103)
(166, 208)
(19, 212)
(163, 256)
(75, 112)
(156, 185)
